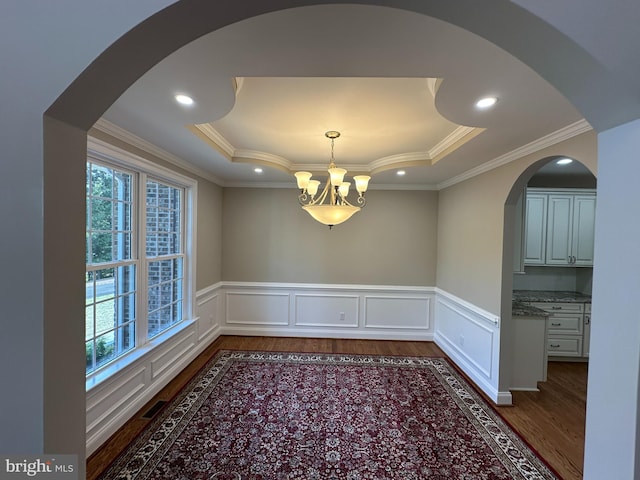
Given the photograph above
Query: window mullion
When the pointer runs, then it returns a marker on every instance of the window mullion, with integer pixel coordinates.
(141, 254)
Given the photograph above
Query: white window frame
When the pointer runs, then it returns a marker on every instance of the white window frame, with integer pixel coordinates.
(106, 154)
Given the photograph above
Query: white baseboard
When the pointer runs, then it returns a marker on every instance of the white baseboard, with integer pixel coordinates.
(324, 333)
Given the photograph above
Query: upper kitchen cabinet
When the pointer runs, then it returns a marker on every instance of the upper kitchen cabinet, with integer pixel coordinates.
(559, 227)
(535, 230)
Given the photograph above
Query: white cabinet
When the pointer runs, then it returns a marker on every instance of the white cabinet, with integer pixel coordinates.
(530, 359)
(570, 229)
(535, 232)
(559, 227)
(566, 328)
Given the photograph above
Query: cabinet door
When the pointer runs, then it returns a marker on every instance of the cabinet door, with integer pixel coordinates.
(559, 229)
(584, 216)
(535, 232)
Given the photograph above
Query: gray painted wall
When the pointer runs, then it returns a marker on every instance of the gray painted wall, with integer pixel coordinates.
(267, 237)
(471, 224)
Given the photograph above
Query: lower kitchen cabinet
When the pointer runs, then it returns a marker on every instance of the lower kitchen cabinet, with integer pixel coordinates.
(566, 332)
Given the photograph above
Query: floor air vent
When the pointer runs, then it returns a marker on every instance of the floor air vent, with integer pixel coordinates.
(155, 409)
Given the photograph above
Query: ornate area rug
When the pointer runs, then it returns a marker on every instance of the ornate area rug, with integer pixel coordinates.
(263, 416)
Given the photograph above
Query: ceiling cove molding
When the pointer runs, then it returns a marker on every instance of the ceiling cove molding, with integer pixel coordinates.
(451, 142)
(549, 140)
(401, 159)
(454, 139)
(129, 138)
(216, 137)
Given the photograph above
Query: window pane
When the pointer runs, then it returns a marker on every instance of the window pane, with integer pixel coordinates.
(163, 219)
(105, 316)
(101, 181)
(101, 247)
(101, 214)
(122, 246)
(126, 338)
(90, 351)
(88, 322)
(164, 294)
(89, 290)
(126, 276)
(109, 215)
(105, 348)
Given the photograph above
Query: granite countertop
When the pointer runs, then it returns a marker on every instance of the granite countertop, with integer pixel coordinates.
(550, 296)
(520, 309)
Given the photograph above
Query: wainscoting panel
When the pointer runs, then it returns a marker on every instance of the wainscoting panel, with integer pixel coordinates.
(208, 306)
(331, 311)
(105, 403)
(470, 336)
(397, 312)
(257, 308)
(326, 310)
(175, 348)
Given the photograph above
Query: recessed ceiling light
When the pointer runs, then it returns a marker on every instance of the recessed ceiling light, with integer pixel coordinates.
(400, 173)
(257, 170)
(486, 102)
(184, 99)
(564, 161)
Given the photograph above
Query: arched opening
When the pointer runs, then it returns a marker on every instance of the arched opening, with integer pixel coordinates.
(547, 346)
(69, 118)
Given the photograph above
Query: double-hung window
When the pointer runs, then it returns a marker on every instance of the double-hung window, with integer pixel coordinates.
(139, 265)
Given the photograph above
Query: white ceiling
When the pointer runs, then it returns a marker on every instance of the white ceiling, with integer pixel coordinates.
(268, 89)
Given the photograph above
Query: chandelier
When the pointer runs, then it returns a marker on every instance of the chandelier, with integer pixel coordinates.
(331, 206)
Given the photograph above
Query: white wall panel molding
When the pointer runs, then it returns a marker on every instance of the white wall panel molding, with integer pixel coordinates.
(470, 336)
(397, 312)
(326, 310)
(257, 308)
(208, 311)
(164, 363)
(331, 310)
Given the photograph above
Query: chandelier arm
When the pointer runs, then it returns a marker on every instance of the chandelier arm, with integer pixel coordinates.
(361, 201)
(303, 198)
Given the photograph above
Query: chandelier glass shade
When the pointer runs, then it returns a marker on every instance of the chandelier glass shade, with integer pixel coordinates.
(331, 206)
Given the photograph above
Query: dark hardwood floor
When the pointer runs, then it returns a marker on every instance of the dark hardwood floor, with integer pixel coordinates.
(552, 420)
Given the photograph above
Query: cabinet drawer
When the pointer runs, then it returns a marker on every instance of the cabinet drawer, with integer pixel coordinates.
(564, 346)
(559, 307)
(566, 324)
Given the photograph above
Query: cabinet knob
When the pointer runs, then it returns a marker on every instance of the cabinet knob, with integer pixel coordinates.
(556, 324)
(554, 346)
(587, 319)
(556, 307)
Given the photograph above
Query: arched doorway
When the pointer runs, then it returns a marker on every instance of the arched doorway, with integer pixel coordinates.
(67, 121)
(537, 282)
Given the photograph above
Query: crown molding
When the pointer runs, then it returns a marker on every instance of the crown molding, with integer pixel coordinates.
(216, 137)
(549, 140)
(453, 139)
(129, 138)
(262, 157)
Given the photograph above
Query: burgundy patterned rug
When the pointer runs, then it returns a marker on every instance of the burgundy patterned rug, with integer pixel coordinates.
(277, 416)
